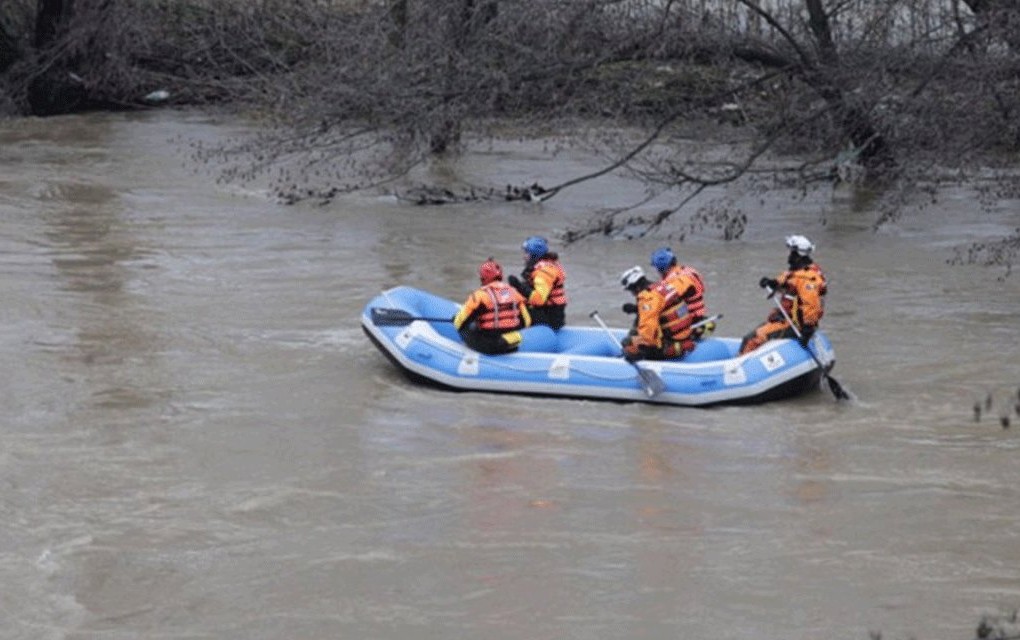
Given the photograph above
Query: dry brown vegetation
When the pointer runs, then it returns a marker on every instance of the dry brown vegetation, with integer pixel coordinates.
(900, 96)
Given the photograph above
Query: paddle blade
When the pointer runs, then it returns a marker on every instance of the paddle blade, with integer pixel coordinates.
(836, 388)
(650, 382)
(382, 316)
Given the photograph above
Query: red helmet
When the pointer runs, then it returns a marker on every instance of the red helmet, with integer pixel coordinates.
(490, 271)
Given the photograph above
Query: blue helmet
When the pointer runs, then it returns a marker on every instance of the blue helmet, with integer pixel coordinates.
(535, 246)
(663, 259)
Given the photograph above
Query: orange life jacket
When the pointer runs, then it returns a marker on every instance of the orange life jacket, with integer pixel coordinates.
(684, 290)
(696, 301)
(547, 273)
(501, 307)
(803, 292)
(674, 318)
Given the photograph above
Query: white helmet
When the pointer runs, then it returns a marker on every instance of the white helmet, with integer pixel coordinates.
(631, 276)
(800, 244)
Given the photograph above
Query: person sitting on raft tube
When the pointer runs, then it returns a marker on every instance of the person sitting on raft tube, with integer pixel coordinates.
(686, 280)
(490, 319)
(802, 288)
(658, 306)
(542, 283)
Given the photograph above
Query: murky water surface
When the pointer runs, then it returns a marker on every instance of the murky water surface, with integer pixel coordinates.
(199, 442)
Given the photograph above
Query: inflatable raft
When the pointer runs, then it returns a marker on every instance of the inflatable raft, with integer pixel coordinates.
(413, 329)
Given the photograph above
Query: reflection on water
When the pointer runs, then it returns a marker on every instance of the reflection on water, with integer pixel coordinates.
(200, 442)
(88, 236)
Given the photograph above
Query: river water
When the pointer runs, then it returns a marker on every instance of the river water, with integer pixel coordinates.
(199, 442)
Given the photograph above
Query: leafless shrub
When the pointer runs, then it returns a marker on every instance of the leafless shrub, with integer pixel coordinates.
(352, 95)
(1000, 253)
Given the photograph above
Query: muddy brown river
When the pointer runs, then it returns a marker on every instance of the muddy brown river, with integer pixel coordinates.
(198, 441)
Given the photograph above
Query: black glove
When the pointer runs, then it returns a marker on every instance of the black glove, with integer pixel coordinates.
(805, 336)
(643, 352)
(524, 287)
(768, 283)
(629, 307)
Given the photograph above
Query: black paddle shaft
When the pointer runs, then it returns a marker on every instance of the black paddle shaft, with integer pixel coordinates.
(835, 387)
(384, 316)
(651, 383)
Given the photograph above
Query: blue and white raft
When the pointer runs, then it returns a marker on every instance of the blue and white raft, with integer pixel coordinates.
(413, 329)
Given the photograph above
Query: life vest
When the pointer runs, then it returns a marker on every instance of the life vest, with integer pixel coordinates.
(695, 302)
(680, 312)
(662, 330)
(675, 317)
(551, 271)
(500, 307)
(803, 292)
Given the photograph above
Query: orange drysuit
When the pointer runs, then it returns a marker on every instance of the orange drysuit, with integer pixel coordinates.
(802, 294)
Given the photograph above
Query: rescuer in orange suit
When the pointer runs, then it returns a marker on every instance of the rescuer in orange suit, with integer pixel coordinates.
(490, 319)
(802, 289)
(662, 330)
(686, 280)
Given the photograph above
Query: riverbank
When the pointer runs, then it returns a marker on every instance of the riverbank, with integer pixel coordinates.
(351, 96)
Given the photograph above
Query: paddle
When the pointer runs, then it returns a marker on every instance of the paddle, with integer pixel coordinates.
(384, 316)
(652, 384)
(835, 387)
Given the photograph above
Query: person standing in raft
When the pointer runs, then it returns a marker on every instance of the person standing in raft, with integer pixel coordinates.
(542, 283)
(652, 337)
(802, 288)
(490, 319)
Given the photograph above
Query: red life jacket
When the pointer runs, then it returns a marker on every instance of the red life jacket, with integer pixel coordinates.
(501, 308)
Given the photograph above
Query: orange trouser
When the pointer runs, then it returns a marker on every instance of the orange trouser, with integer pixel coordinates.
(765, 332)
